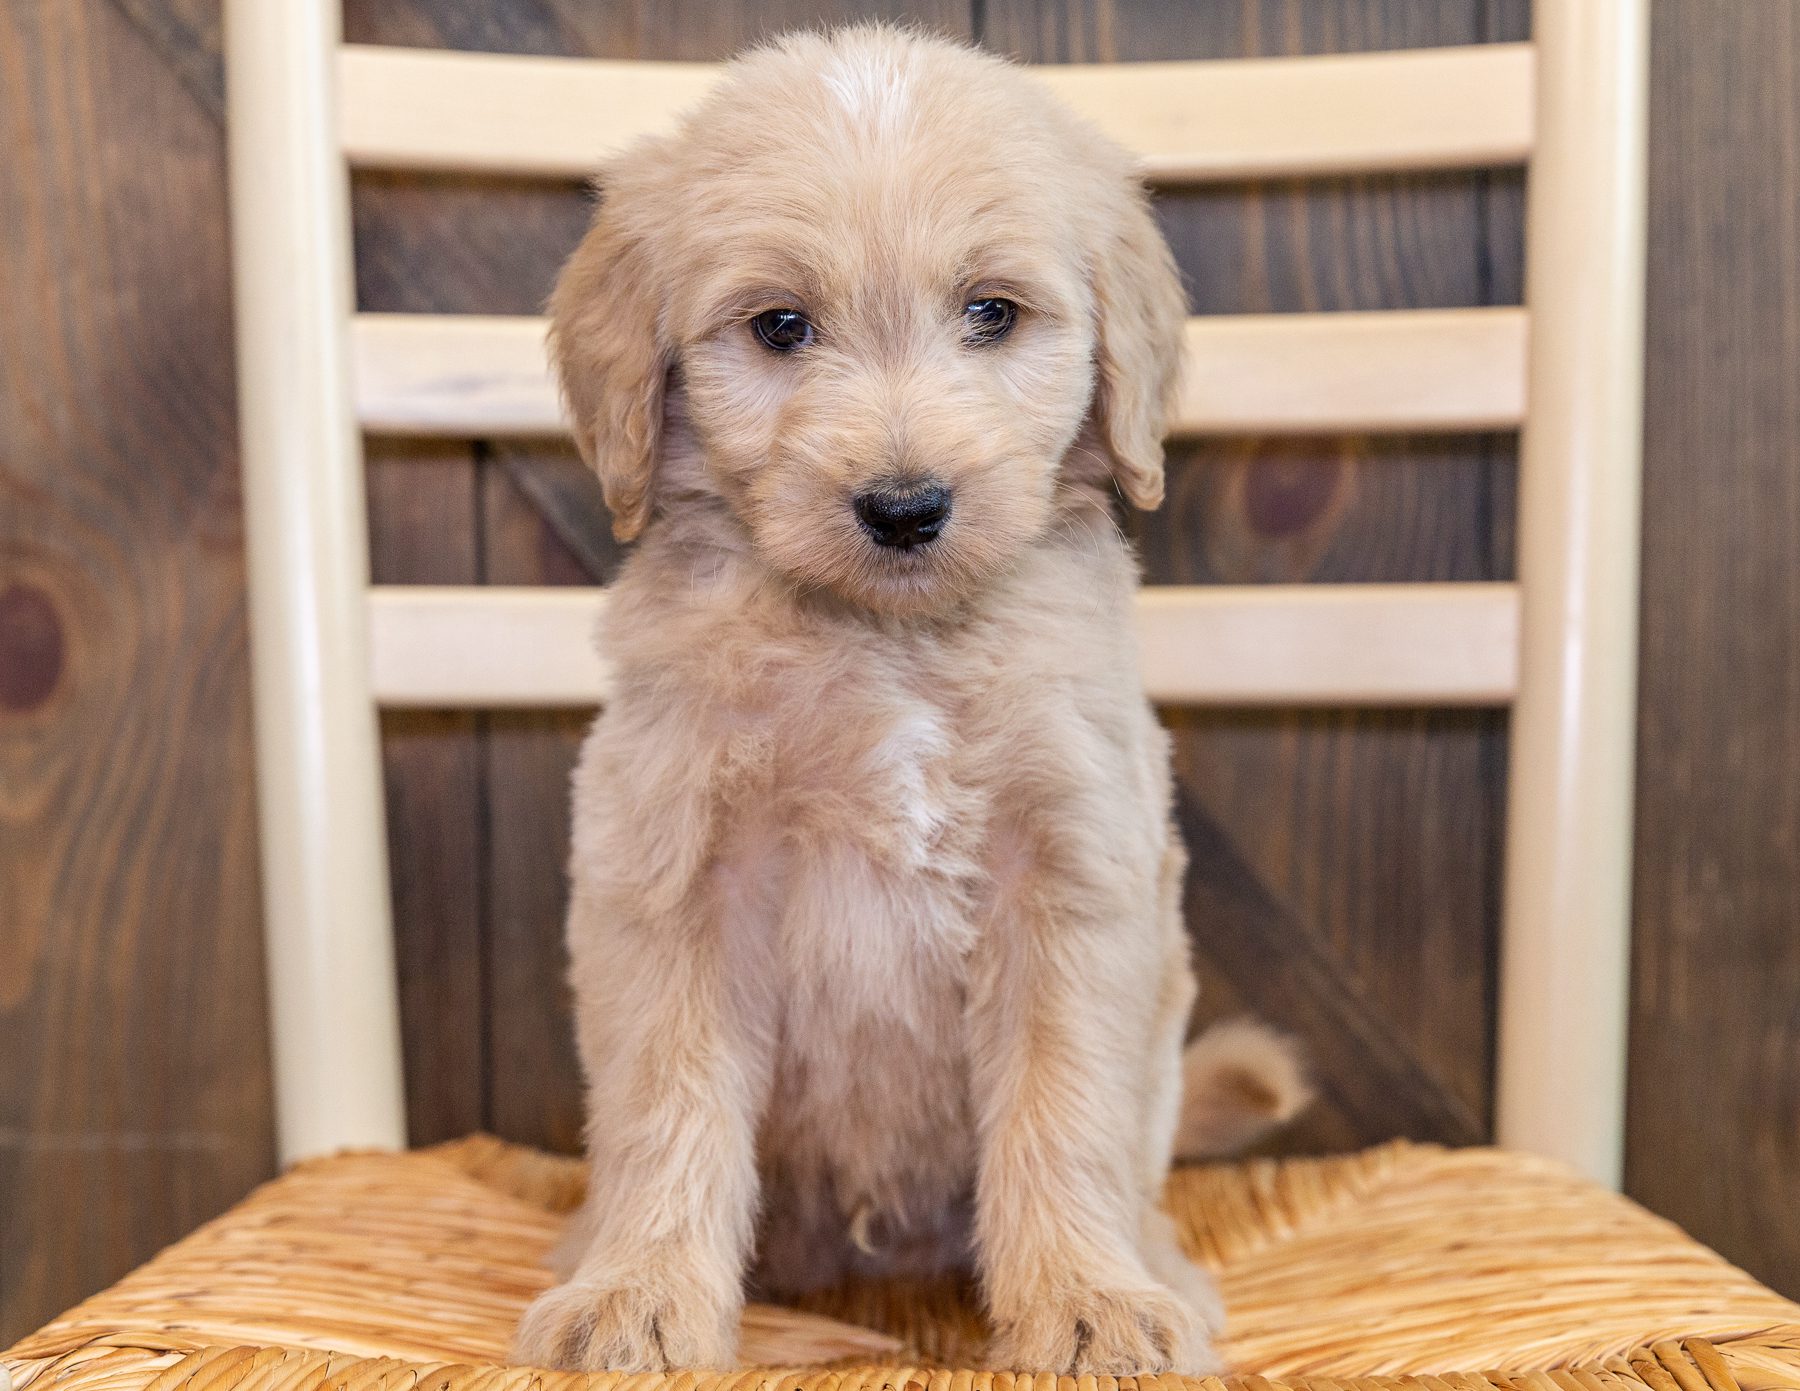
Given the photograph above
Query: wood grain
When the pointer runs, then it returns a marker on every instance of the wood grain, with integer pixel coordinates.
(1416, 646)
(1466, 107)
(134, 1086)
(1715, 1058)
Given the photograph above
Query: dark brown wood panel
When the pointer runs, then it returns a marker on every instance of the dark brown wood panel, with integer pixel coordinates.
(134, 1078)
(1339, 859)
(1714, 1137)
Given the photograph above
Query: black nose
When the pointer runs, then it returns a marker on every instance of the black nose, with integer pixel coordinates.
(904, 517)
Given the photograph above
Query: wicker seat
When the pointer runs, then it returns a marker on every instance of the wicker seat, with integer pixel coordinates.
(1402, 1265)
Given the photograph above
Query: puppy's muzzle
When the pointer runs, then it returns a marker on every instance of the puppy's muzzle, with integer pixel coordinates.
(904, 517)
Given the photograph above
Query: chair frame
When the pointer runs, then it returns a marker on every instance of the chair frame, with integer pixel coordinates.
(1558, 644)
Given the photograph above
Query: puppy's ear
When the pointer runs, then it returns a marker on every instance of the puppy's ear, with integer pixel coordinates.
(1140, 308)
(610, 345)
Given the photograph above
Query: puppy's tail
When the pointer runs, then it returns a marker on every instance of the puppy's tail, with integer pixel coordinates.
(1240, 1079)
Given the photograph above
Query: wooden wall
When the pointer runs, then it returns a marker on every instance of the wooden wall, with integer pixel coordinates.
(1714, 1138)
(134, 1087)
(1345, 865)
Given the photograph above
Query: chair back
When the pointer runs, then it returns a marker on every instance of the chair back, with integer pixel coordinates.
(1557, 644)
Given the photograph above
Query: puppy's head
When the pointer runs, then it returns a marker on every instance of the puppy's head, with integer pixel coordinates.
(892, 295)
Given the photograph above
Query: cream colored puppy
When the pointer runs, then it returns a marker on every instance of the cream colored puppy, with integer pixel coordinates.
(877, 948)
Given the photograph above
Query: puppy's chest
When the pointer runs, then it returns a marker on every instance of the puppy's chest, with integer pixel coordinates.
(862, 835)
(882, 819)
(873, 768)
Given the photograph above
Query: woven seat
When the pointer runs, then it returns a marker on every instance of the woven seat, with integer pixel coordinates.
(1403, 1265)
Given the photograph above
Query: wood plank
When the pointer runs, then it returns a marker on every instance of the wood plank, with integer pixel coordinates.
(702, 31)
(1442, 370)
(453, 374)
(1715, 1031)
(499, 646)
(134, 1093)
(1428, 370)
(1353, 644)
(1187, 122)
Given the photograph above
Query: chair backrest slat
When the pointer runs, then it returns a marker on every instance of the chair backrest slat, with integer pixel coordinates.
(490, 647)
(1420, 369)
(1446, 108)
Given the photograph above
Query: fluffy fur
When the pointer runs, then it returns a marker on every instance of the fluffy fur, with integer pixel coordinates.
(876, 939)
(1239, 1081)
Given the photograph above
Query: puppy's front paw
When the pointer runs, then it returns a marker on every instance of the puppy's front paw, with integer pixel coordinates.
(1106, 1332)
(628, 1327)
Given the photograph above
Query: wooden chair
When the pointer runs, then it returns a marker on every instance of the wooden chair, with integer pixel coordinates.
(409, 1269)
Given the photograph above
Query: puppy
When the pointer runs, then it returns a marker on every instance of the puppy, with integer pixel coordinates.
(875, 931)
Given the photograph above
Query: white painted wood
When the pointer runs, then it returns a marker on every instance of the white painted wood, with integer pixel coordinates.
(1239, 118)
(1400, 369)
(1424, 644)
(325, 889)
(1565, 952)
(461, 375)
(417, 108)
(486, 646)
(1415, 369)
(409, 108)
(1317, 644)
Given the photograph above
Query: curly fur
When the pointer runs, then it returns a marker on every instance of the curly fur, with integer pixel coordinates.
(875, 928)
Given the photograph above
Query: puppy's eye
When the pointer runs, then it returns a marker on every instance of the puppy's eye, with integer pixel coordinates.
(989, 320)
(782, 330)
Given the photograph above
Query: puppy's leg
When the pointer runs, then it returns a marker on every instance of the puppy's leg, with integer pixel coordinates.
(1059, 1037)
(677, 1078)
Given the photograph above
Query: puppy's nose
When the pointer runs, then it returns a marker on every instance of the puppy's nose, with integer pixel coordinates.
(904, 517)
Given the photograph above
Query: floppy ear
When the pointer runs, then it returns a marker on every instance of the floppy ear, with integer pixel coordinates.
(611, 349)
(1139, 310)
